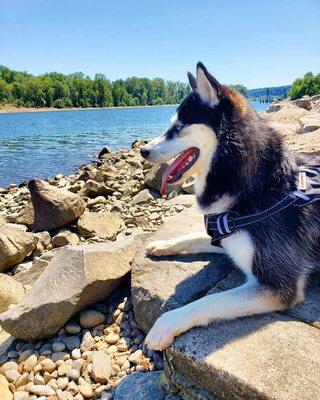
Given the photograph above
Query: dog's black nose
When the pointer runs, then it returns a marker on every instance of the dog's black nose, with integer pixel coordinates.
(144, 152)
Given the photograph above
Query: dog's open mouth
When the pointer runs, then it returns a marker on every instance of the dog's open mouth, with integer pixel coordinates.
(179, 166)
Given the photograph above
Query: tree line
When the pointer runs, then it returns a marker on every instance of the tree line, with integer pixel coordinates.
(55, 89)
(308, 85)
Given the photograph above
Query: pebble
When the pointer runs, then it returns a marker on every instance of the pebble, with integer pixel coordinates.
(91, 318)
(62, 383)
(73, 374)
(76, 353)
(39, 380)
(25, 354)
(42, 390)
(12, 375)
(21, 395)
(58, 347)
(72, 328)
(136, 357)
(48, 365)
(72, 342)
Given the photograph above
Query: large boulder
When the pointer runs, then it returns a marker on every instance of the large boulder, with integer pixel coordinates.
(105, 225)
(76, 277)
(304, 102)
(165, 283)
(309, 123)
(29, 276)
(11, 292)
(24, 216)
(53, 207)
(15, 245)
(141, 386)
(235, 359)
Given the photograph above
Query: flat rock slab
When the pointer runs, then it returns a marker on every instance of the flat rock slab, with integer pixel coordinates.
(165, 283)
(267, 357)
(76, 277)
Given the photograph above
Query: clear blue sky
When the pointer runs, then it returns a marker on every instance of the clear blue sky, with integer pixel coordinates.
(256, 43)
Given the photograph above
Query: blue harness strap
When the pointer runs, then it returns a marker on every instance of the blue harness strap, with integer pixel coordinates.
(219, 226)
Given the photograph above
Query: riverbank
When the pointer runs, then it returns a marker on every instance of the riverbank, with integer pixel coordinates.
(10, 108)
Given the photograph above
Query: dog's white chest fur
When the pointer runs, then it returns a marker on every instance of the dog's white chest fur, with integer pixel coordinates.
(240, 249)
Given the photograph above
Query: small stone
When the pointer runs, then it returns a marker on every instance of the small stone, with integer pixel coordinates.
(73, 374)
(12, 375)
(21, 395)
(48, 365)
(8, 366)
(42, 390)
(59, 356)
(58, 347)
(101, 367)
(136, 357)
(85, 388)
(91, 318)
(72, 388)
(62, 383)
(25, 354)
(75, 354)
(87, 342)
(39, 380)
(72, 328)
(72, 342)
(112, 338)
(30, 363)
(63, 369)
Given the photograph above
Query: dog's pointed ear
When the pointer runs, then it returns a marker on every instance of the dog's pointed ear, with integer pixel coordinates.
(207, 86)
(192, 81)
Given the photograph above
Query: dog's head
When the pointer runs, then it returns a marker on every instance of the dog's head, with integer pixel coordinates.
(196, 128)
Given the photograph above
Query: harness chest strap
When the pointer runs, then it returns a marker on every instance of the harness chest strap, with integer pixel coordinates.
(219, 226)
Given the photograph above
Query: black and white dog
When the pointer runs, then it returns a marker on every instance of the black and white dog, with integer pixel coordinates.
(242, 165)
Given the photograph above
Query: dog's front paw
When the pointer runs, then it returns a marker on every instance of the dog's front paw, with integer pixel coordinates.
(163, 332)
(159, 248)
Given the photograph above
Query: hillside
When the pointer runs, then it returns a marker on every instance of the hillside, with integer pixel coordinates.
(269, 93)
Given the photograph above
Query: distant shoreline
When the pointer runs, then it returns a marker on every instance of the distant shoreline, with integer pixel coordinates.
(11, 109)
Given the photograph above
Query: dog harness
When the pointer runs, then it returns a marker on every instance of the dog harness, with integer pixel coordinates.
(219, 226)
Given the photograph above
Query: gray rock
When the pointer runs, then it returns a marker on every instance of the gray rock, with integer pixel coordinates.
(30, 276)
(309, 123)
(65, 237)
(53, 207)
(143, 196)
(15, 245)
(77, 277)
(104, 225)
(141, 386)
(71, 342)
(304, 102)
(235, 360)
(11, 292)
(24, 216)
(183, 278)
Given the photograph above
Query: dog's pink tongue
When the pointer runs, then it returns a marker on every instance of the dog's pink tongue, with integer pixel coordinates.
(177, 164)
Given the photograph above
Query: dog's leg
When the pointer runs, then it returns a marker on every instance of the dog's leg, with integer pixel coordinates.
(248, 299)
(192, 243)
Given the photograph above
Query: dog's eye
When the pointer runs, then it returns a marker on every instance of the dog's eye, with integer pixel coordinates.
(177, 128)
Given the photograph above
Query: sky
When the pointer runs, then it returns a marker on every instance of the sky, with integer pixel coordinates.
(253, 42)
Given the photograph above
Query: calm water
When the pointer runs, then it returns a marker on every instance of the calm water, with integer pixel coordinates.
(47, 143)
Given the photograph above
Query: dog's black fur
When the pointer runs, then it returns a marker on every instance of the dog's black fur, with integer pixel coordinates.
(253, 165)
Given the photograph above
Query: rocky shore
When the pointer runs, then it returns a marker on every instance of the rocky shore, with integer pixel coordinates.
(76, 291)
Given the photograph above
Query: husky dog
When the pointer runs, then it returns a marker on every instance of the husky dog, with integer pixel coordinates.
(241, 165)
